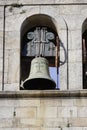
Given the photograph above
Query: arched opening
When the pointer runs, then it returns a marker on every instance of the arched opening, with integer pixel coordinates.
(84, 53)
(38, 38)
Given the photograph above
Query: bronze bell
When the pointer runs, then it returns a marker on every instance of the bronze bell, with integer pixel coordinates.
(39, 77)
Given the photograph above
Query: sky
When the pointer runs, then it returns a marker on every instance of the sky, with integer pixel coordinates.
(54, 76)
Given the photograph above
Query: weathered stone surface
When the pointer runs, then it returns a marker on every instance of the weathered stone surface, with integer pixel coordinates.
(73, 128)
(27, 122)
(68, 102)
(46, 112)
(75, 76)
(50, 102)
(25, 112)
(12, 40)
(43, 113)
(10, 86)
(14, 65)
(74, 40)
(65, 9)
(63, 77)
(55, 122)
(71, 1)
(6, 112)
(64, 116)
(82, 111)
(75, 55)
(64, 109)
(78, 122)
(29, 103)
(67, 111)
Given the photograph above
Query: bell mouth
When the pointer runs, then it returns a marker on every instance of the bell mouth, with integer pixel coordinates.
(39, 84)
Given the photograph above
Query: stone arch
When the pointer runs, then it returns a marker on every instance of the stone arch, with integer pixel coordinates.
(57, 19)
(37, 20)
(33, 22)
(52, 22)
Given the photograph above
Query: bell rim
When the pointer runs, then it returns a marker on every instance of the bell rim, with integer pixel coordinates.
(51, 84)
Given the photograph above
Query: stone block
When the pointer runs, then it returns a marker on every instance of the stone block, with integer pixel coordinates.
(78, 122)
(12, 40)
(62, 1)
(82, 111)
(63, 77)
(0, 83)
(1, 18)
(1, 64)
(75, 76)
(11, 69)
(80, 103)
(75, 40)
(28, 103)
(37, 128)
(11, 86)
(0, 77)
(74, 21)
(6, 2)
(67, 112)
(70, 1)
(84, 128)
(62, 32)
(69, 10)
(50, 102)
(1, 53)
(55, 122)
(25, 112)
(9, 123)
(46, 112)
(15, 16)
(5, 77)
(6, 112)
(29, 11)
(75, 55)
(6, 62)
(8, 103)
(36, 2)
(41, 2)
(1, 43)
(6, 122)
(50, 9)
(83, 10)
(50, 128)
(72, 128)
(14, 66)
(68, 102)
(15, 128)
(31, 122)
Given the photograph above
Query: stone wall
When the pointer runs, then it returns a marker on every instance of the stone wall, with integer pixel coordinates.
(68, 17)
(43, 110)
